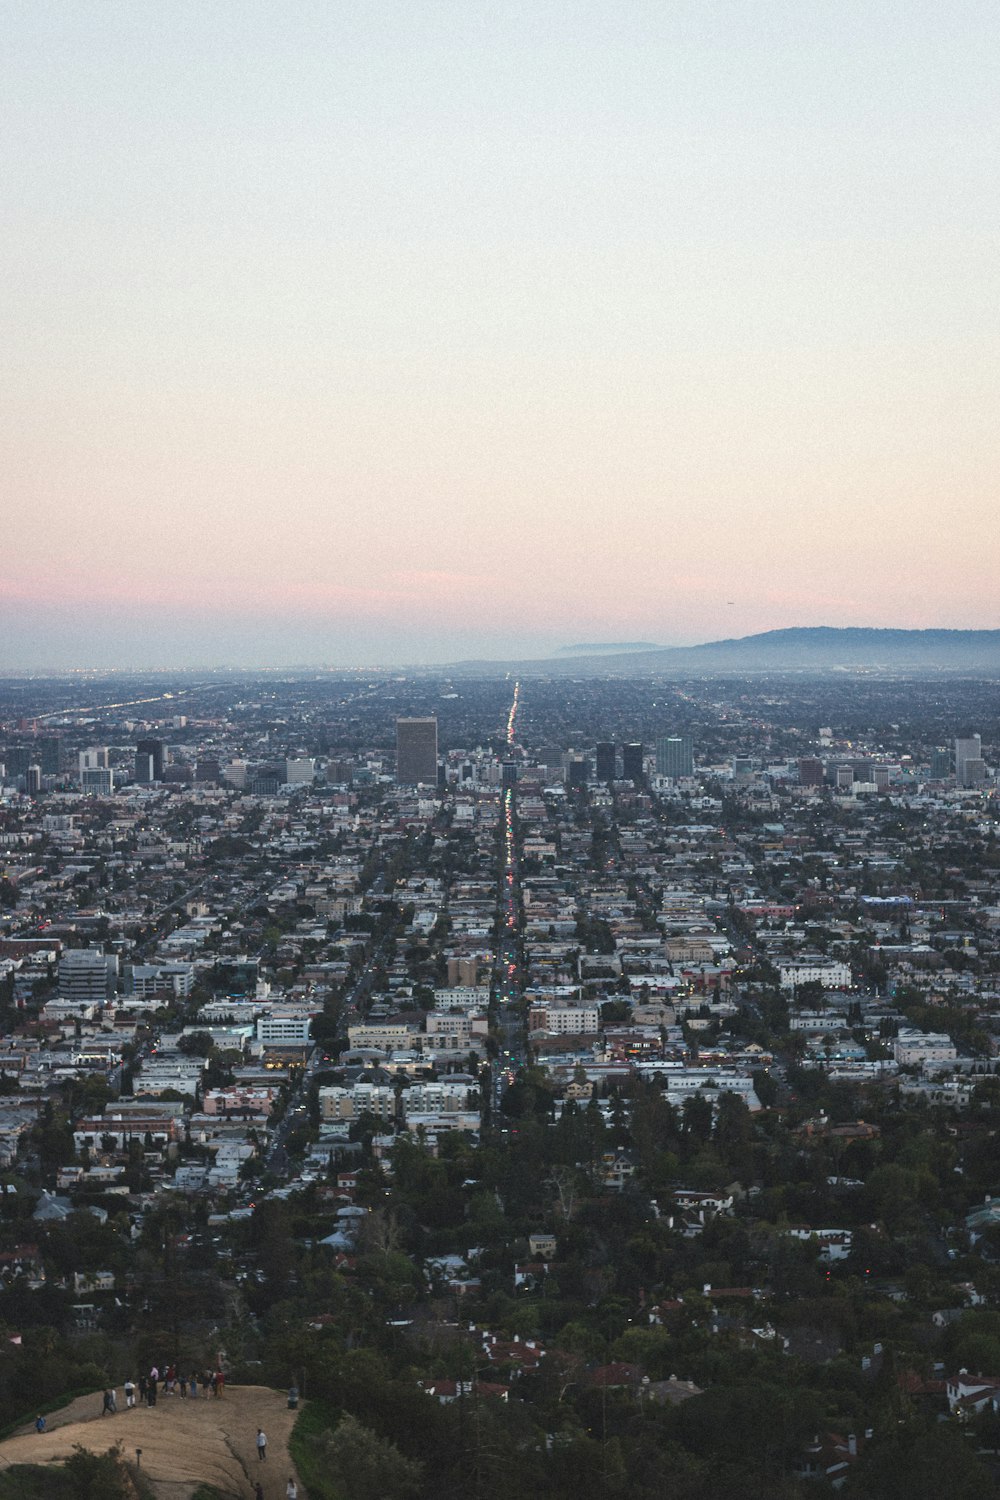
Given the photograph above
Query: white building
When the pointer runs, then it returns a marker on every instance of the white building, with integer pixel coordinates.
(913, 1048)
(284, 1031)
(812, 969)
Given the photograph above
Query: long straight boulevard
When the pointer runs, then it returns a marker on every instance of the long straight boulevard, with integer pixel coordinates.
(507, 1008)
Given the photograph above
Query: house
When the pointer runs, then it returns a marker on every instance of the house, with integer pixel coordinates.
(93, 1281)
(616, 1170)
(448, 1391)
(968, 1394)
(542, 1246)
(828, 1457)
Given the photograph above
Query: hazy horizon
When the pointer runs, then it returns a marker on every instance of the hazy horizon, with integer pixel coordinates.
(415, 332)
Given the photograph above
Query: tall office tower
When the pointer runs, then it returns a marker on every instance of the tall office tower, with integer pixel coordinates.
(50, 754)
(96, 758)
(508, 774)
(33, 780)
(810, 771)
(300, 772)
(149, 760)
(17, 759)
(632, 762)
(966, 751)
(97, 781)
(87, 976)
(416, 751)
(675, 756)
(577, 770)
(605, 761)
(942, 765)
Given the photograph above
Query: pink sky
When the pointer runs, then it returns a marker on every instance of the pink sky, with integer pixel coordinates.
(413, 333)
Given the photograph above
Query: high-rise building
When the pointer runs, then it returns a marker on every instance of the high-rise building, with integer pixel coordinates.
(97, 781)
(675, 756)
(416, 751)
(17, 759)
(577, 769)
(508, 774)
(969, 769)
(49, 754)
(605, 761)
(96, 758)
(87, 975)
(942, 765)
(632, 762)
(810, 771)
(150, 757)
(300, 772)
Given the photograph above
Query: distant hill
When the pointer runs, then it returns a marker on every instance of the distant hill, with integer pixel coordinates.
(604, 647)
(808, 649)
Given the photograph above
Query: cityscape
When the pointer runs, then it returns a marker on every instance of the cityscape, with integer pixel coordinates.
(499, 750)
(550, 1077)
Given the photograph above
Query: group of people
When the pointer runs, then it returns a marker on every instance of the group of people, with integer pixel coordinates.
(212, 1382)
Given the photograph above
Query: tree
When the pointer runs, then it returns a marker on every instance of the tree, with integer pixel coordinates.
(99, 1476)
(364, 1466)
(920, 1465)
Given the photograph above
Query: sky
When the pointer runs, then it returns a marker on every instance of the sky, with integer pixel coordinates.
(400, 331)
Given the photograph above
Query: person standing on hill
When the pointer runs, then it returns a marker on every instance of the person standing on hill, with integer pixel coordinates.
(261, 1444)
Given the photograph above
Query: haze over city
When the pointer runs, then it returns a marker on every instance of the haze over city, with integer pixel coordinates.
(418, 332)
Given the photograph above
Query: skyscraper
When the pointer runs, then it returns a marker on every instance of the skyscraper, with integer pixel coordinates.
(632, 762)
(416, 751)
(675, 756)
(810, 771)
(969, 767)
(942, 765)
(149, 760)
(605, 761)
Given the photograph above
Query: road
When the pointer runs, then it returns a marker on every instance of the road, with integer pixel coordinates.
(507, 988)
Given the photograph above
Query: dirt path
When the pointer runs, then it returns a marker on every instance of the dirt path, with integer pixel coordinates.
(184, 1443)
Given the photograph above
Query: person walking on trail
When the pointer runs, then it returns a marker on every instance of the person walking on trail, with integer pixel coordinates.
(108, 1406)
(261, 1444)
(291, 1489)
(129, 1394)
(220, 1383)
(258, 1491)
(40, 1427)
(194, 1386)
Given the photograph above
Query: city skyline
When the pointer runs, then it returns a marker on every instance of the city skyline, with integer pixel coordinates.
(414, 334)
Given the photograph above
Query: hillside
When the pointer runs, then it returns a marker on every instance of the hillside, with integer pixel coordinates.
(184, 1443)
(811, 649)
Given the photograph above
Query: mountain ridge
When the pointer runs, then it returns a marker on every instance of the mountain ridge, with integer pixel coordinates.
(796, 648)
